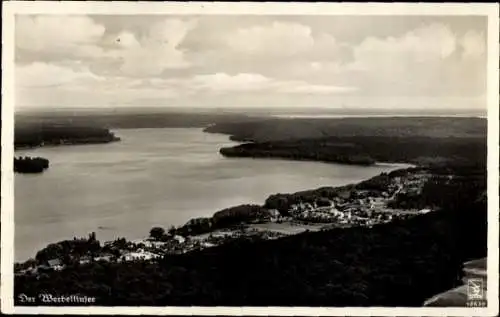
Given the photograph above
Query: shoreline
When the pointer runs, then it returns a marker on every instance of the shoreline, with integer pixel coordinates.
(398, 212)
(394, 167)
(265, 229)
(54, 145)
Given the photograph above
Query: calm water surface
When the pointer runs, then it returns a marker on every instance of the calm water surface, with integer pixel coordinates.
(153, 177)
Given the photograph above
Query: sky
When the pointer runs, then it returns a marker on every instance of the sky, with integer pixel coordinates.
(111, 61)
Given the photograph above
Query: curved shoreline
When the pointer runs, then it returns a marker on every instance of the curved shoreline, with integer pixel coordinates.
(260, 227)
(397, 166)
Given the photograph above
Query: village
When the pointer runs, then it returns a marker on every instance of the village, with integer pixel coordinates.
(147, 249)
(357, 208)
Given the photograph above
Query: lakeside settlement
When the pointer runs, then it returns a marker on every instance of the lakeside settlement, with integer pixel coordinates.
(369, 203)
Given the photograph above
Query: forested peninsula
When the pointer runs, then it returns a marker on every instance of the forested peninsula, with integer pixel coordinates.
(43, 134)
(361, 141)
(364, 150)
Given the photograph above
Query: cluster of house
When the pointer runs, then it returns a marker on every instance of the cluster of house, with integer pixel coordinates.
(147, 249)
(364, 208)
(358, 212)
(412, 183)
(53, 264)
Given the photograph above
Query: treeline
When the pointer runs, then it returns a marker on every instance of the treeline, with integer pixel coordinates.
(293, 151)
(445, 184)
(131, 119)
(273, 129)
(34, 135)
(422, 151)
(25, 164)
(283, 202)
(222, 219)
(69, 248)
(67, 252)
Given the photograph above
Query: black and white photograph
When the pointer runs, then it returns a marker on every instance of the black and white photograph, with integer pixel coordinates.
(262, 157)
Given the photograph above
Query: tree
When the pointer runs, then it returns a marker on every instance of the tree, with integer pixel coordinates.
(323, 202)
(172, 231)
(156, 233)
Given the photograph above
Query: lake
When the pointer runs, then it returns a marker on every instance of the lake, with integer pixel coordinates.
(153, 177)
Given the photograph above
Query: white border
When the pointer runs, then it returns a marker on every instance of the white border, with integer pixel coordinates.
(206, 8)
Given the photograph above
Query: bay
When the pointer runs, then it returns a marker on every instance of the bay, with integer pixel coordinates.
(153, 177)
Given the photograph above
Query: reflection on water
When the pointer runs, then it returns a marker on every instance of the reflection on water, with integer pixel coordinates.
(152, 177)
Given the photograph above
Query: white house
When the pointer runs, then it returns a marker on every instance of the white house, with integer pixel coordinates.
(180, 239)
(207, 245)
(134, 256)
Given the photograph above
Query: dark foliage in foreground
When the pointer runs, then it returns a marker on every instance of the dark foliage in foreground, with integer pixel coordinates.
(397, 264)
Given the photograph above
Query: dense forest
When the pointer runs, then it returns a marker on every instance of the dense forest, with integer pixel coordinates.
(34, 135)
(401, 263)
(362, 150)
(222, 219)
(418, 140)
(82, 127)
(244, 127)
(273, 129)
(124, 119)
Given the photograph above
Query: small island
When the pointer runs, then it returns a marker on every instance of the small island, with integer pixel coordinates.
(29, 136)
(30, 165)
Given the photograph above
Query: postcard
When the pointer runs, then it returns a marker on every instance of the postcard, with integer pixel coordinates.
(278, 159)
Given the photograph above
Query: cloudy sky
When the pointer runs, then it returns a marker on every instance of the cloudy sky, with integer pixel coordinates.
(219, 61)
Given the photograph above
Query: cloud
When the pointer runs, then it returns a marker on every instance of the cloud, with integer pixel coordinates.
(281, 39)
(43, 84)
(416, 61)
(126, 40)
(40, 74)
(80, 37)
(156, 51)
(278, 38)
(424, 61)
(424, 44)
(209, 59)
(300, 87)
(224, 83)
(473, 44)
(70, 36)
